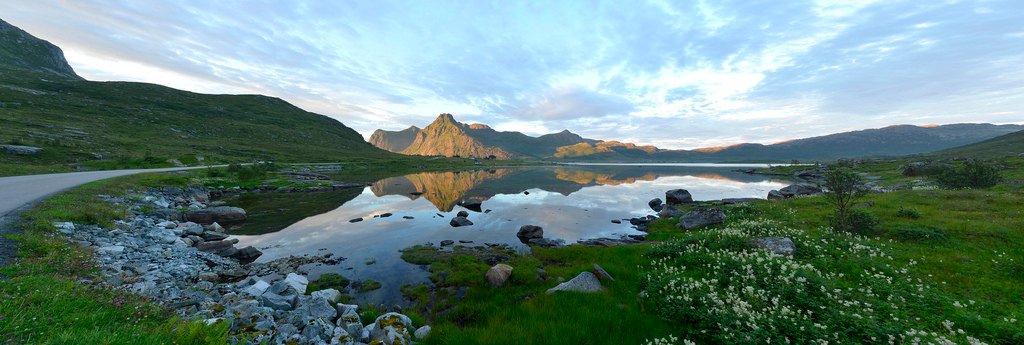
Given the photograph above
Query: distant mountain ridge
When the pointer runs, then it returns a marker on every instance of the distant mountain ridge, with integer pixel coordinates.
(448, 137)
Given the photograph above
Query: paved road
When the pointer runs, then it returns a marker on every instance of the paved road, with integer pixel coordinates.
(18, 193)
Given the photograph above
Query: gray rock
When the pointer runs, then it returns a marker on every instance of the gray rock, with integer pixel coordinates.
(498, 274)
(331, 295)
(446, 243)
(778, 245)
(224, 215)
(355, 220)
(278, 302)
(462, 214)
(584, 282)
(165, 213)
(163, 235)
(213, 235)
(222, 248)
(20, 150)
(529, 232)
(257, 289)
(460, 221)
(546, 242)
(317, 330)
(474, 206)
(794, 190)
(655, 204)
(601, 273)
(316, 308)
(701, 217)
(678, 197)
(193, 229)
(247, 255)
(297, 282)
(110, 250)
(422, 332)
(669, 212)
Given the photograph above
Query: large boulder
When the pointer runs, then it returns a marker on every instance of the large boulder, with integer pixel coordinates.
(669, 212)
(794, 190)
(778, 245)
(278, 302)
(20, 150)
(223, 248)
(472, 205)
(391, 329)
(498, 275)
(223, 215)
(701, 217)
(585, 282)
(677, 197)
(529, 232)
(460, 221)
(298, 282)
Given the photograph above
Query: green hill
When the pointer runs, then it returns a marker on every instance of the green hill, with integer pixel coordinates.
(82, 124)
(1007, 145)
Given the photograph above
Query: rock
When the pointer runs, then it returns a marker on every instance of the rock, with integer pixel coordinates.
(498, 274)
(213, 236)
(341, 336)
(669, 212)
(529, 232)
(247, 255)
(331, 295)
(190, 228)
(297, 282)
(460, 221)
(162, 236)
(546, 242)
(348, 318)
(607, 242)
(257, 289)
(422, 332)
(278, 302)
(677, 197)
(701, 217)
(474, 206)
(391, 329)
(165, 213)
(462, 214)
(616, 221)
(212, 227)
(778, 245)
(601, 273)
(794, 191)
(655, 204)
(408, 217)
(446, 243)
(110, 250)
(316, 308)
(385, 215)
(20, 150)
(584, 282)
(355, 220)
(223, 215)
(223, 247)
(317, 330)
(282, 288)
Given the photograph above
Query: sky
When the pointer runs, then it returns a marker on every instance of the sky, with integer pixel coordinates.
(675, 74)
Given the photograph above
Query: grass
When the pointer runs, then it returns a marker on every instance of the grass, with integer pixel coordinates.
(42, 301)
(965, 246)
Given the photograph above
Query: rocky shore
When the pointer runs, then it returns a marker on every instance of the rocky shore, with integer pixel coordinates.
(178, 254)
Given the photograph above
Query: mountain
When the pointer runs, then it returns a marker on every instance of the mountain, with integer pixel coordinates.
(1006, 145)
(394, 141)
(20, 50)
(449, 137)
(83, 124)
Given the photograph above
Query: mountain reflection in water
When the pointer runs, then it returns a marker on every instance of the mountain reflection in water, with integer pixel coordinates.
(569, 202)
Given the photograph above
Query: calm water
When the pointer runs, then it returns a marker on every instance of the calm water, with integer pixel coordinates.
(569, 202)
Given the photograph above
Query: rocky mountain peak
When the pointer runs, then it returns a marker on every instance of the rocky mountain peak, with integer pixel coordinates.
(20, 50)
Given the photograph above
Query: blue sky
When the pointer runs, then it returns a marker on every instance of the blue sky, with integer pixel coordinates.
(674, 74)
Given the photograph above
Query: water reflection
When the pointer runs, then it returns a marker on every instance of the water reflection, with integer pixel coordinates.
(570, 203)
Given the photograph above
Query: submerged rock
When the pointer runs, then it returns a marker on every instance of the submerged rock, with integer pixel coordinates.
(224, 215)
(529, 232)
(460, 221)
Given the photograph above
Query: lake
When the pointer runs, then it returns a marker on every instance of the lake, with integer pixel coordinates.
(570, 202)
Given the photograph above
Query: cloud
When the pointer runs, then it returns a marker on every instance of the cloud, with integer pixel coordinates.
(673, 74)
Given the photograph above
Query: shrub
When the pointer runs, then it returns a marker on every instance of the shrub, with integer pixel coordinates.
(918, 233)
(857, 221)
(972, 175)
(843, 190)
(908, 213)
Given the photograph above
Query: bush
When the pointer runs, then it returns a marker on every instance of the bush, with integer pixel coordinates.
(972, 175)
(908, 213)
(857, 221)
(918, 233)
(844, 188)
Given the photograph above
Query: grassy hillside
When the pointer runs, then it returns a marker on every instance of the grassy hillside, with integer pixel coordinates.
(83, 124)
(1007, 145)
